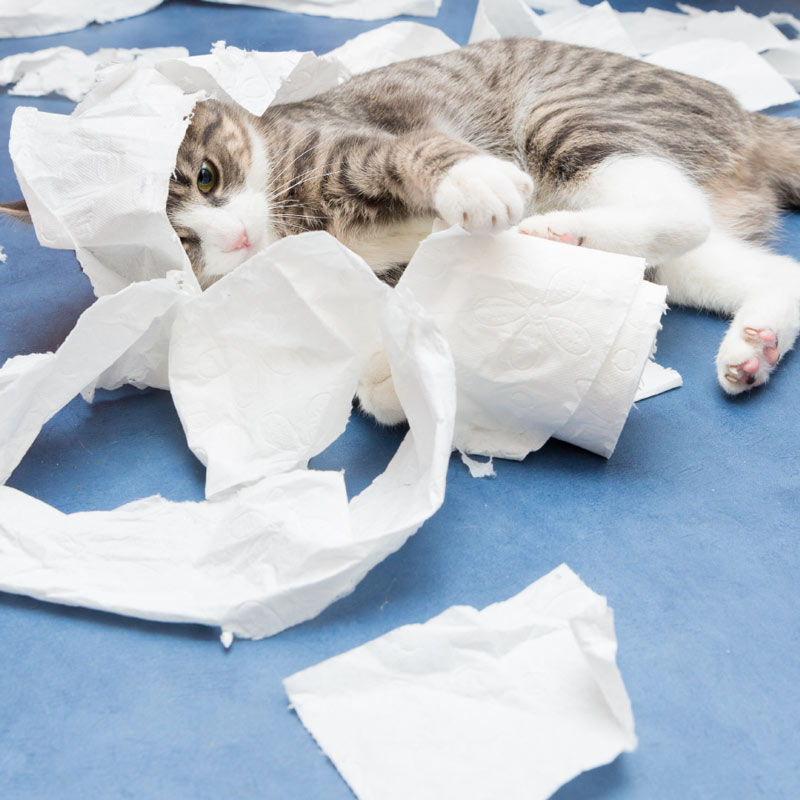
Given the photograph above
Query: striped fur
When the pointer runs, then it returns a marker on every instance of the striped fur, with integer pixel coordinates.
(367, 157)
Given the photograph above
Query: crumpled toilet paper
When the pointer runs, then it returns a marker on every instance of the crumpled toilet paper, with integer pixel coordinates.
(509, 702)
(70, 72)
(264, 364)
(281, 543)
(542, 347)
(112, 211)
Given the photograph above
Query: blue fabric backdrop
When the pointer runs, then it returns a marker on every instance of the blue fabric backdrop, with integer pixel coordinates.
(690, 530)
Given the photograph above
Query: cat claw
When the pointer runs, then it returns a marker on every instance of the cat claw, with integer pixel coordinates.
(755, 370)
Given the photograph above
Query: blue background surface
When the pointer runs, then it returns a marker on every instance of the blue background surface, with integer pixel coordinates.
(690, 530)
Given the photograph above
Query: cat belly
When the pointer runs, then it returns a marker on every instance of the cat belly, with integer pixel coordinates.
(391, 245)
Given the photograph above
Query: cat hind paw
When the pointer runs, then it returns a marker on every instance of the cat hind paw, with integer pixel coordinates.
(746, 359)
(483, 194)
(549, 226)
(376, 394)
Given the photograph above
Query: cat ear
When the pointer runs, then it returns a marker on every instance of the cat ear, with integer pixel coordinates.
(18, 210)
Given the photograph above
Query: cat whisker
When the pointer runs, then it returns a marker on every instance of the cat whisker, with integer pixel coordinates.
(294, 161)
(298, 216)
(298, 182)
(297, 177)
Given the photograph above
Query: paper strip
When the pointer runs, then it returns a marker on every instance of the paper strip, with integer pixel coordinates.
(34, 389)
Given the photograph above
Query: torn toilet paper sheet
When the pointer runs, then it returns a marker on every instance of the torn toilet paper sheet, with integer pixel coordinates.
(230, 563)
(509, 702)
(266, 394)
(757, 33)
(498, 19)
(257, 559)
(786, 61)
(548, 339)
(657, 380)
(349, 9)
(69, 72)
(654, 29)
(254, 79)
(478, 469)
(754, 83)
(660, 33)
(43, 17)
(396, 41)
(597, 26)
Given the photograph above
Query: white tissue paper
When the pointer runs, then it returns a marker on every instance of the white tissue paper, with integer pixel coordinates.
(259, 397)
(786, 61)
(69, 72)
(496, 19)
(548, 339)
(654, 29)
(111, 212)
(598, 26)
(509, 702)
(253, 79)
(382, 46)
(43, 17)
(754, 83)
(350, 9)
(261, 557)
(679, 41)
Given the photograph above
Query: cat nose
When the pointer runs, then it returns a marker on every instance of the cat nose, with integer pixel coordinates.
(241, 242)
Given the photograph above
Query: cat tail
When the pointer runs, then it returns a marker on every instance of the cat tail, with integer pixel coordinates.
(18, 209)
(780, 155)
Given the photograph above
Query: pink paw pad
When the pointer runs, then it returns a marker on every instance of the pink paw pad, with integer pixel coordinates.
(567, 238)
(765, 343)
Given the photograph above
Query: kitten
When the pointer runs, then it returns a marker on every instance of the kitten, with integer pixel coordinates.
(581, 146)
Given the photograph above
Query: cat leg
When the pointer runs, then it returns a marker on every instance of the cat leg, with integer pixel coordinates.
(760, 289)
(639, 206)
(376, 394)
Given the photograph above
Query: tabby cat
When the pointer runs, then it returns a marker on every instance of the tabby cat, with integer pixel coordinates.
(585, 147)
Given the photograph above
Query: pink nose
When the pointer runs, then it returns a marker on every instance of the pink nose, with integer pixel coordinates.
(240, 243)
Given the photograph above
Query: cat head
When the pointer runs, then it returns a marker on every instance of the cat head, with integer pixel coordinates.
(218, 201)
(218, 196)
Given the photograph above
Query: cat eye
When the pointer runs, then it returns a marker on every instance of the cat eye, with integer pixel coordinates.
(207, 177)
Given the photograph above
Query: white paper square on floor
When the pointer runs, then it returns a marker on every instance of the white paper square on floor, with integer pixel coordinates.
(509, 702)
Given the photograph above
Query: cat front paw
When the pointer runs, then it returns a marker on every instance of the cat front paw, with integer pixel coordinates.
(376, 394)
(483, 194)
(746, 358)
